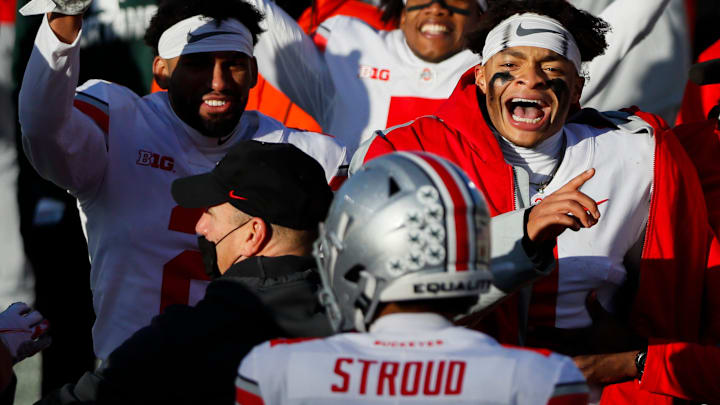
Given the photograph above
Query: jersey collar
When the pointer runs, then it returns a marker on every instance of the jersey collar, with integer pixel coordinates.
(405, 322)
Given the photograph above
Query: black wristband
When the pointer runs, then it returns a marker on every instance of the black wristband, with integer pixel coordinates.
(640, 363)
(540, 254)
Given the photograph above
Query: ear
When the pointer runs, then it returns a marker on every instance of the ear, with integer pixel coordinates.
(161, 72)
(480, 78)
(254, 67)
(254, 241)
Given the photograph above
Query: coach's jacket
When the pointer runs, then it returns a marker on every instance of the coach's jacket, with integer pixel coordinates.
(190, 355)
(674, 300)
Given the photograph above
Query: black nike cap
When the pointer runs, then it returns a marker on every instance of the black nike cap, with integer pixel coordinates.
(274, 181)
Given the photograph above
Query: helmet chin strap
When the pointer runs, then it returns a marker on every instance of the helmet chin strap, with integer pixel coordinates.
(360, 324)
(365, 307)
(461, 11)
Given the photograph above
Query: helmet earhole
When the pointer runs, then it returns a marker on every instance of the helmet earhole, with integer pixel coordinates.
(353, 275)
(394, 187)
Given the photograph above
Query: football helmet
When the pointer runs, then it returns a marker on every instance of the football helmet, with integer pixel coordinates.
(407, 226)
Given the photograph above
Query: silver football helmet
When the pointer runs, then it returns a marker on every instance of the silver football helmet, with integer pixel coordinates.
(406, 226)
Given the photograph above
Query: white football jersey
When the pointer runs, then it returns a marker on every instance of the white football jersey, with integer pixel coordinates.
(354, 79)
(418, 358)
(119, 154)
(594, 259)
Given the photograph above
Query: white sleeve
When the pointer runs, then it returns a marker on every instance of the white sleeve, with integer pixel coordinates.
(630, 21)
(290, 61)
(549, 378)
(247, 384)
(63, 144)
(570, 383)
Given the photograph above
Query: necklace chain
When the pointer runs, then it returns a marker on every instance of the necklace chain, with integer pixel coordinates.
(544, 184)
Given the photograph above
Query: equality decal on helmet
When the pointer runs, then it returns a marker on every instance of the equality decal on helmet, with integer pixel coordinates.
(461, 246)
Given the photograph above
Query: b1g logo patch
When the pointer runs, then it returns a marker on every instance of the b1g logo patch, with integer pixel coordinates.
(369, 72)
(147, 158)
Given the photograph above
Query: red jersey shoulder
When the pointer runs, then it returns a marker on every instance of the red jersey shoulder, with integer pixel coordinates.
(655, 121)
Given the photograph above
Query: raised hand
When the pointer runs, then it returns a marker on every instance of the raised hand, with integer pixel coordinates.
(563, 209)
(67, 7)
(22, 330)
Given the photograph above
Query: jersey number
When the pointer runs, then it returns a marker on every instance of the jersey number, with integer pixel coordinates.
(187, 266)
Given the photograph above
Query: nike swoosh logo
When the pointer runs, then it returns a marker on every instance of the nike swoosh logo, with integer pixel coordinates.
(521, 32)
(237, 197)
(598, 203)
(194, 38)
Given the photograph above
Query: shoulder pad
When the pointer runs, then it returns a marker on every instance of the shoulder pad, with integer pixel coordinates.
(388, 130)
(611, 119)
(105, 91)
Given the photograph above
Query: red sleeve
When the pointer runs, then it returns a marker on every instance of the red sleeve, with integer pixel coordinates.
(369, 13)
(573, 393)
(247, 392)
(572, 399)
(411, 136)
(248, 398)
(690, 370)
(683, 370)
(701, 141)
(379, 146)
(7, 11)
(699, 100)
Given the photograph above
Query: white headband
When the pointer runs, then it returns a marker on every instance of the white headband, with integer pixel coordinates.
(532, 29)
(481, 3)
(203, 34)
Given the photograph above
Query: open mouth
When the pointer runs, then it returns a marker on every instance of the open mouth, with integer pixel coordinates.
(431, 29)
(215, 106)
(527, 113)
(215, 103)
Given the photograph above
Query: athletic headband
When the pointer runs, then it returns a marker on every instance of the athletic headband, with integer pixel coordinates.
(532, 29)
(203, 34)
(481, 3)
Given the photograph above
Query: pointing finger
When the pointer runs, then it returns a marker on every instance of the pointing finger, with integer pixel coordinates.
(578, 181)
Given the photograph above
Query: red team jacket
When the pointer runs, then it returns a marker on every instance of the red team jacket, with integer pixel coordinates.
(671, 298)
(699, 100)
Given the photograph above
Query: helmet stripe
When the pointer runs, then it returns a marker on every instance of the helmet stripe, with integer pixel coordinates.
(464, 249)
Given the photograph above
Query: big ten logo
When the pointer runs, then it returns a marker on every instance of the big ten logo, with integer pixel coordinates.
(369, 72)
(147, 158)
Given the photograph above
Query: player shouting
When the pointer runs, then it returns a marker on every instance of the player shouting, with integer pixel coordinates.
(354, 79)
(119, 153)
(507, 126)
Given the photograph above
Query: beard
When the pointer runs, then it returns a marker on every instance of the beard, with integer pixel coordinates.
(221, 127)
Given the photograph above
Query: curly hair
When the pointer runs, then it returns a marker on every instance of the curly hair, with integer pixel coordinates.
(170, 12)
(589, 31)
